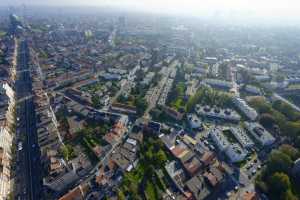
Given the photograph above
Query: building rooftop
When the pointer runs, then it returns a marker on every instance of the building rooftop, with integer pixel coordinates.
(260, 133)
(217, 113)
(198, 187)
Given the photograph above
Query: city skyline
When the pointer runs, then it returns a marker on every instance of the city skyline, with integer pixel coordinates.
(117, 102)
(280, 11)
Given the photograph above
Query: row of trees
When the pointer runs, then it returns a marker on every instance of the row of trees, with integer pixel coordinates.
(209, 96)
(271, 116)
(276, 179)
(286, 110)
(143, 181)
(177, 97)
(141, 105)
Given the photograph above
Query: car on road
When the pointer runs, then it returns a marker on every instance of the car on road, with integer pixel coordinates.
(259, 167)
(228, 194)
(20, 146)
(236, 188)
(211, 147)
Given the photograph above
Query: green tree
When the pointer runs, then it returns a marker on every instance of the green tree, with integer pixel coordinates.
(278, 162)
(161, 158)
(289, 150)
(141, 105)
(68, 152)
(279, 183)
(96, 101)
(279, 78)
(288, 195)
(267, 120)
(121, 195)
(286, 109)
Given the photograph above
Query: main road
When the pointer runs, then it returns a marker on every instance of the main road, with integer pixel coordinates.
(29, 184)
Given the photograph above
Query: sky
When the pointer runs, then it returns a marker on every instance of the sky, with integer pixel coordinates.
(272, 9)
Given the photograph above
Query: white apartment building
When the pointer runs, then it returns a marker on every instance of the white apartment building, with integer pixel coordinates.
(5, 158)
(194, 121)
(242, 137)
(245, 108)
(259, 133)
(232, 150)
(219, 83)
(235, 153)
(219, 139)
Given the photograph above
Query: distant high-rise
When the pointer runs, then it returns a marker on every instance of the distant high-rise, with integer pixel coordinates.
(15, 24)
(121, 21)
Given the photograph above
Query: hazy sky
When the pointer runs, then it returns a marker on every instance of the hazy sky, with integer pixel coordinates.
(271, 8)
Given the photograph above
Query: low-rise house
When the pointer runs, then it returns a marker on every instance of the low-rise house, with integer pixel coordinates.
(123, 108)
(253, 90)
(126, 156)
(118, 131)
(208, 158)
(105, 100)
(75, 124)
(4, 173)
(153, 127)
(177, 174)
(262, 78)
(214, 176)
(105, 172)
(78, 193)
(192, 165)
(173, 113)
(198, 187)
(148, 78)
(61, 182)
(250, 196)
(81, 164)
(121, 161)
(110, 76)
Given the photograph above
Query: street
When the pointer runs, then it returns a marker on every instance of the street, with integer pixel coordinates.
(28, 154)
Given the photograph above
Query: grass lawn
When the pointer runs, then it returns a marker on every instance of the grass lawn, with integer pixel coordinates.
(241, 164)
(151, 191)
(138, 173)
(130, 100)
(88, 150)
(230, 136)
(92, 88)
(145, 175)
(2, 33)
(88, 138)
(177, 97)
(294, 87)
(177, 104)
